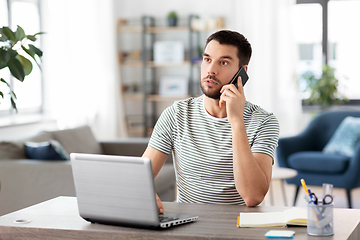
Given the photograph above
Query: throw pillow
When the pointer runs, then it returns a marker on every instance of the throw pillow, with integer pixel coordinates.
(80, 140)
(345, 138)
(50, 150)
(9, 150)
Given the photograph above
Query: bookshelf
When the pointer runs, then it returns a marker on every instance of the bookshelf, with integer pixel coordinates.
(146, 101)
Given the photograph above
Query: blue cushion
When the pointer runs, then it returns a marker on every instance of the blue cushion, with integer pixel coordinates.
(345, 138)
(318, 162)
(51, 150)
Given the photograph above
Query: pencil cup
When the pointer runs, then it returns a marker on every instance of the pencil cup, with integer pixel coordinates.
(320, 219)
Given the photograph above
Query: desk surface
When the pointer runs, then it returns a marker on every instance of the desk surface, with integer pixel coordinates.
(59, 219)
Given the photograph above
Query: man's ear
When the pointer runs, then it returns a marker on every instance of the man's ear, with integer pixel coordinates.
(246, 67)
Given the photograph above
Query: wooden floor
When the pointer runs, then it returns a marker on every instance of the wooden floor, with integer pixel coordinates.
(340, 199)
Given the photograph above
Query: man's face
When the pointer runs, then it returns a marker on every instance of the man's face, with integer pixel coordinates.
(219, 65)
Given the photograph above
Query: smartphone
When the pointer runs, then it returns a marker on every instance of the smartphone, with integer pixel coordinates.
(244, 77)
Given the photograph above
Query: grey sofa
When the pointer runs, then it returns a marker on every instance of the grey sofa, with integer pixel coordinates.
(25, 182)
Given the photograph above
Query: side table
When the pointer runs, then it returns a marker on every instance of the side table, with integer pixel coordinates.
(281, 174)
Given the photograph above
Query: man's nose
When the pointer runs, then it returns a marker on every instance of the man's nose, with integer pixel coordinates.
(212, 70)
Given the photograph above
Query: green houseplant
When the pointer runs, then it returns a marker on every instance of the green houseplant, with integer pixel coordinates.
(323, 90)
(172, 18)
(15, 51)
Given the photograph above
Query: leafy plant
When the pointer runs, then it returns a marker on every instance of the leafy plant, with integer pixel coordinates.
(15, 51)
(172, 14)
(172, 18)
(323, 90)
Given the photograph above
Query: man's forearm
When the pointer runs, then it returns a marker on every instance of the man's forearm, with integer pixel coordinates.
(251, 181)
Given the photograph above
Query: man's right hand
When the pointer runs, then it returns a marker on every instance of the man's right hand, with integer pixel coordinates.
(160, 206)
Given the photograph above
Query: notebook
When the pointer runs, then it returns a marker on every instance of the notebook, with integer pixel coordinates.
(119, 190)
(291, 216)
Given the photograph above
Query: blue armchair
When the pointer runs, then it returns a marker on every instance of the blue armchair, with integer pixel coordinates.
(304, 154)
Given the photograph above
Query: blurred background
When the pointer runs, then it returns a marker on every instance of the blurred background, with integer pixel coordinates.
(84, 79)
(115, 65)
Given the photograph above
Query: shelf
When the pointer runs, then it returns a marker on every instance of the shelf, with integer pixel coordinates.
(133, 96)
(170, 64)
(123, 28)
(139, 132)
(159, 98)
(128, 29)
(131, 63)
(153, 64)
(138, 29)
(167, 29)
(152, 97)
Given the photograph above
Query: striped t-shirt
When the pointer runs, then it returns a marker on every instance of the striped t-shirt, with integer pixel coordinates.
(202, 148)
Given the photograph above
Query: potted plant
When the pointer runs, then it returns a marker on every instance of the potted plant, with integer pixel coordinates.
(323, 90)
(15, 51)
(172, 18)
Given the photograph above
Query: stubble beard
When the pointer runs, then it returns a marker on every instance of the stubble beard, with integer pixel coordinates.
(209, 91)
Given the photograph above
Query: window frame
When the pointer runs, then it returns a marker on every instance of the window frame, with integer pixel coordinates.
(325, 40)
(324, 5)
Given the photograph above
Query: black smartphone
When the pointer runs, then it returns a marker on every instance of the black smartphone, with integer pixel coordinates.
(244, 77)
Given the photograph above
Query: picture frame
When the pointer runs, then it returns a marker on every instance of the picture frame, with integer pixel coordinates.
(169, 52)
(173, 86)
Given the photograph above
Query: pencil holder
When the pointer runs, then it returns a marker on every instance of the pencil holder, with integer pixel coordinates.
(320, 219)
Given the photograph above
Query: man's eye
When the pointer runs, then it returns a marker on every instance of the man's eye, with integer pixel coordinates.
(224, 63)
(207, 59)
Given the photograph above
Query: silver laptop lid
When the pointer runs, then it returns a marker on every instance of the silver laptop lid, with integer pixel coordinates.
(115, 189)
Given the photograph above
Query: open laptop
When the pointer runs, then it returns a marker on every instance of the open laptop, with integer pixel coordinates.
(119, 190)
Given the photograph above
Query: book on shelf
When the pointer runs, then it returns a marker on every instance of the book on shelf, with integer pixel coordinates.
(292, 216)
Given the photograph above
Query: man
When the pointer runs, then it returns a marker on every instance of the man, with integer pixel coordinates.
(223, 146)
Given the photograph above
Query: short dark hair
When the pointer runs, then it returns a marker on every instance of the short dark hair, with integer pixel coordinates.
(236, 39)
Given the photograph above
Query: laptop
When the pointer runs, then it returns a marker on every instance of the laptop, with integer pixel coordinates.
(119, 190)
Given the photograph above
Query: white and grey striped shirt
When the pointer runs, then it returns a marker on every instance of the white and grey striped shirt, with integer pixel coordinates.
(202, 148)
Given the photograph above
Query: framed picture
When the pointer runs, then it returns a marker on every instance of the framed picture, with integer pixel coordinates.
(173, 86)
(168, 52)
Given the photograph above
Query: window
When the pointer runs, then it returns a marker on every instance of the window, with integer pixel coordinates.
(344, 48)
(25, 13)
(319, 21)
(307, 32)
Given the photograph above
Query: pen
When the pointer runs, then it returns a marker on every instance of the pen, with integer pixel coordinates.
(316, 210)
(310, 201)
(312, 197)
(304, 186)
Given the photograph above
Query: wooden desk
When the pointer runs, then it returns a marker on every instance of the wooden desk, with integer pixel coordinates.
(58, 219)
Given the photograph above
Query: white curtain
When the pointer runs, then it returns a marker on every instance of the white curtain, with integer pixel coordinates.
(268, 27)
(80, 65)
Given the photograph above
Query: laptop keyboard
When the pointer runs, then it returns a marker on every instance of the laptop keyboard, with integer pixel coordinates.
(162, 218)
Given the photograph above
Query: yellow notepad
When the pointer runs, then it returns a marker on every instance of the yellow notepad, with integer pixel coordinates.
(292, 216)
